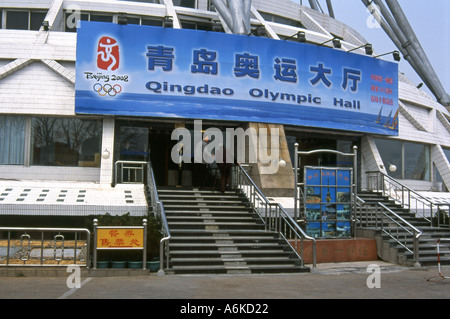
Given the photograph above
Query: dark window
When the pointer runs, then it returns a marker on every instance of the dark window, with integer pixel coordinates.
(36, 20)
(133, 20)
(72, 20)
(152, 22)
(412, 160)
(188, 25)
(17, 20)
(66, 142)
(184, 3)
(101, 18)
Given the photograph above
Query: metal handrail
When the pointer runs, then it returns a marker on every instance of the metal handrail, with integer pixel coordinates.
(374, 218)
(277, 219)
(404, 195)
(42, 231)
(158, 209)
(121, 162)
(410, 229)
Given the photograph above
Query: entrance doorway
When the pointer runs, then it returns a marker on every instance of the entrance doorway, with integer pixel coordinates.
(141, 141)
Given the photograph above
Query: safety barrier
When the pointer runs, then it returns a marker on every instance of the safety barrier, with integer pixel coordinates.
(274, 216)
(159, 212)
(418, 205)
(130, 172)
(440, 275)
(52, 247)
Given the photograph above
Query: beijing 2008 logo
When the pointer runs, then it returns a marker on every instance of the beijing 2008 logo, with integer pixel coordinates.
(108, 56)
(107, 82)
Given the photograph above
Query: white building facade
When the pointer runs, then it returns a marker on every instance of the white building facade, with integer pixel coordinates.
(55, 161)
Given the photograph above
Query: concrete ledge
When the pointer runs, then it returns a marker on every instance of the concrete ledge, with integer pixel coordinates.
(62, 272)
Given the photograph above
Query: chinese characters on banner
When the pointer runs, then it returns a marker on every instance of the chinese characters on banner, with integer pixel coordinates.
(129, 238)
(285, 69)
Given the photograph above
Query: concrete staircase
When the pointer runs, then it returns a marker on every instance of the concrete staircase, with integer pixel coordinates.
(219, 233)
(394, 252)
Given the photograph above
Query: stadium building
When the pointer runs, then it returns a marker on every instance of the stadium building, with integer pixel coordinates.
(86, 87)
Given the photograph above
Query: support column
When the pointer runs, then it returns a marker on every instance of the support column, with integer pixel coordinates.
(276, 177)
(107, 152)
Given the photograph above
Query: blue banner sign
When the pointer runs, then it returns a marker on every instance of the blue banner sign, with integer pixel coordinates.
(177, 73)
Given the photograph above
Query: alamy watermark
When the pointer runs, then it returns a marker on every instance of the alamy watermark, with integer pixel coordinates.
(234, 145)
(73, 15)
(374, 19)
(374, 279)
(74, 279)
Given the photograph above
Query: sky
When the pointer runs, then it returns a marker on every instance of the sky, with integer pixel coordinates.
(430, 21)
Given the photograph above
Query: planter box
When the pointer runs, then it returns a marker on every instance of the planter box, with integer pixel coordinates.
(102, 264)
(118, 264)
(153, 265)
(135, 264)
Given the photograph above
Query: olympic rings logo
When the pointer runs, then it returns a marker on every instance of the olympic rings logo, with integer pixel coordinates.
(111, 90)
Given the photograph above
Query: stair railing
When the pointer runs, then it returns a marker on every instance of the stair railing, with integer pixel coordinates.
(363, 214)
(274, 216)
(159, 212)
(418, 205)
(398, 229)
(379, 217)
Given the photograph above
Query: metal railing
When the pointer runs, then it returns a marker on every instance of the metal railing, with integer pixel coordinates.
(273, 215)
(379, 217)
(128, 172)
(418, 205)
(159, 212)
(63, 251)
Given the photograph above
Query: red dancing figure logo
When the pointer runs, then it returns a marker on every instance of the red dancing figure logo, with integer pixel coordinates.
(108, 54)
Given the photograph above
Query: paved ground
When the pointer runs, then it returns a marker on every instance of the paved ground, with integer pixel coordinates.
(331, 281)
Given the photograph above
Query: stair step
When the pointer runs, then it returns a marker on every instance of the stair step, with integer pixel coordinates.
(214, 238)
(216, 232)
(209, 232)
(244, 252)
(198, 201)
(184, 207)
(238, 267)
(221, 245)
(427, 241)
(232, 259)
(198, 196)
(208, 218)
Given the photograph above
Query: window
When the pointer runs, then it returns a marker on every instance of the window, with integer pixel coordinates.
(66, 141)
(36, 19)
(282, 20)
(24, 20)
(72, 20)
(131, 20)
(417, 161)
(152, 22)
(184, 3)
(12, 140)
(73, 17)
(391, 153)
(411, 159)
(100, 18)
(17, 20)
(447, 153)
